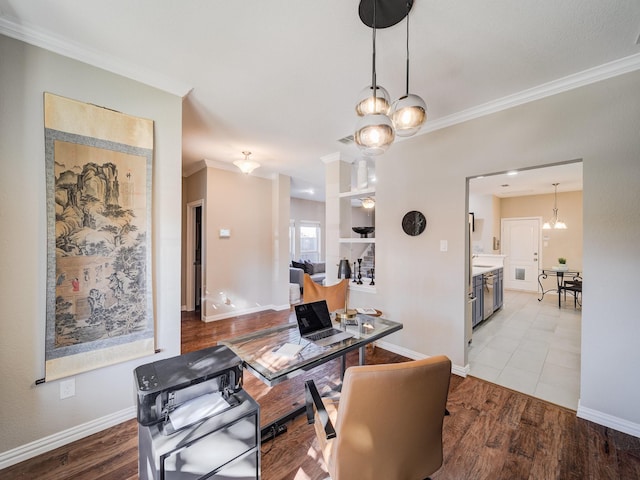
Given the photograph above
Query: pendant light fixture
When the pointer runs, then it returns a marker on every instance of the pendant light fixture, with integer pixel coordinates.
(374, 130)
(409, 112)
(368, 202)
(555, 223)
(246, 166)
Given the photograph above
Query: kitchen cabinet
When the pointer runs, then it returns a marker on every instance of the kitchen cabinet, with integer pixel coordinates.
(496, 295)
(478, 305)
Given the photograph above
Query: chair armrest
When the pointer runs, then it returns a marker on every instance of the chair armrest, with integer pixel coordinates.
(313, 399)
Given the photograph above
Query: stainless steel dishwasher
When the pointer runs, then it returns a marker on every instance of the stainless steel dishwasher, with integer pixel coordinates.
(487, 289)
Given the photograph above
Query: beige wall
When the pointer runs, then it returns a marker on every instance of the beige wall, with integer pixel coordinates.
(555, 243)
(31, 416)
(247, 271)
(425, 288)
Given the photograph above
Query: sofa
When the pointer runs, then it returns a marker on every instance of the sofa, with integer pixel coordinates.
(316, 271)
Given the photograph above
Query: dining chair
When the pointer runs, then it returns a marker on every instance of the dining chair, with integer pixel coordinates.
(575, 289)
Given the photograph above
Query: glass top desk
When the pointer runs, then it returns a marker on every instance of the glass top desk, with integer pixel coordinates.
(259, 350)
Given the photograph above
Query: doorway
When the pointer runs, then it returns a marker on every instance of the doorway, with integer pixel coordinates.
(530, 344)
(197, 262)
(195, 257)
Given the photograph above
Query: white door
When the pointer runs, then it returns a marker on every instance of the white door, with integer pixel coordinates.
(521, 247)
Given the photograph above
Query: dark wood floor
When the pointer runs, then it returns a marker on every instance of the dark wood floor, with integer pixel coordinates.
(492, 433)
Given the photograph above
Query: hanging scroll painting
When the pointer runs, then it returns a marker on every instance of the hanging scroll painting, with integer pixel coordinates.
(99, 288)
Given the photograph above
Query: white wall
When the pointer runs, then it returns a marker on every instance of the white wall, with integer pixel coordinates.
(32, 415)
(425, 288)
(483, 211)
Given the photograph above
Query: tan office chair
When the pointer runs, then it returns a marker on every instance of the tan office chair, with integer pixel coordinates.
(388, 423)
(335, 295)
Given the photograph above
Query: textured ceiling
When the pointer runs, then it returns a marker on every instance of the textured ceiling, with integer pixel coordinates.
(280, 78)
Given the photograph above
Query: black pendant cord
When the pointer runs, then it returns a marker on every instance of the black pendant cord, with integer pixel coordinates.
(408, 10)
(373, 66)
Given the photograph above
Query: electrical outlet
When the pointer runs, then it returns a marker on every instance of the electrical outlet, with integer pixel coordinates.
(67, 388)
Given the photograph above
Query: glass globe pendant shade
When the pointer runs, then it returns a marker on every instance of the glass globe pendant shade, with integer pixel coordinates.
(374, 134)
(368, 103)
(408, 113)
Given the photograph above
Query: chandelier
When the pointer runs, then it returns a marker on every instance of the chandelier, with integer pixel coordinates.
(555, 222)
(380, 120)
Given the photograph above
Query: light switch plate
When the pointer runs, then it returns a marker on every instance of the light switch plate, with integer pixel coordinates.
(444, 245)
(225, 233)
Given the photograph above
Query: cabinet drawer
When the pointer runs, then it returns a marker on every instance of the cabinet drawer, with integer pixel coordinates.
(208, 453)
(244, 468)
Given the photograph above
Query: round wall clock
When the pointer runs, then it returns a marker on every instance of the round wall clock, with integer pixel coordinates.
(414, 223)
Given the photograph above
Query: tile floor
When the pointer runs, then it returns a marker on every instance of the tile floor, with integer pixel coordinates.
(532, 347)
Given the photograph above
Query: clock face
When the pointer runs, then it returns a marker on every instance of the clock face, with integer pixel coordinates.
(414, 223)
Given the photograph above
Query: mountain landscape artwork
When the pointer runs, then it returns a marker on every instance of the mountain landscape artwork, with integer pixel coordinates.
(99, 302)
(100, 246)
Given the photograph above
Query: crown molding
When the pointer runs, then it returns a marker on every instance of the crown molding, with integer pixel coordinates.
(38, 38)
(576, 80)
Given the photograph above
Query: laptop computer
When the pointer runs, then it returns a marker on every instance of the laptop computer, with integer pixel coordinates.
(314, 323)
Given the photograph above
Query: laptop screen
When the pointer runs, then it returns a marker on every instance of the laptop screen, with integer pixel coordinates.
(312, 317)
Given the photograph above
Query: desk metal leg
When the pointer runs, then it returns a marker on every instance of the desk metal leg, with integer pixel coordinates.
(361, 355)
(278, 427)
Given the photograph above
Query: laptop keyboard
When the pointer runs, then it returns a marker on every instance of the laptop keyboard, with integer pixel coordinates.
(323, 334)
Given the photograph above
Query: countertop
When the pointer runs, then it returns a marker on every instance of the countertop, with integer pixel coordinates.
(479, 270)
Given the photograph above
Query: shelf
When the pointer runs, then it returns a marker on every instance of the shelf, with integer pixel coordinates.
(357, 240)
(367, 192)
(365, 287)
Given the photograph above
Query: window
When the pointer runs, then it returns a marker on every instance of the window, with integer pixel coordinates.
(292, 240)
(310, 241)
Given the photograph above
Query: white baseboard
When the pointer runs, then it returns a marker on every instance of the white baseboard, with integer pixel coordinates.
(455, 369)
(46, 444)
(607, 420)
(245, 311)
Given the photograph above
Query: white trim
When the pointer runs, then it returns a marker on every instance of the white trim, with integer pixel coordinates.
(455, 369)
(576, 80)
(51, 442)
(67, 48)
(246, 311)
(607, 420)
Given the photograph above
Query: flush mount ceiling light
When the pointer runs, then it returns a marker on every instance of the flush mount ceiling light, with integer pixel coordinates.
(246, 166)
(379, 122)
(409, 112)
(555, 223)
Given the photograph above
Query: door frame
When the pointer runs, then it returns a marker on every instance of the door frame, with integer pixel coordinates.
(190, 256)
